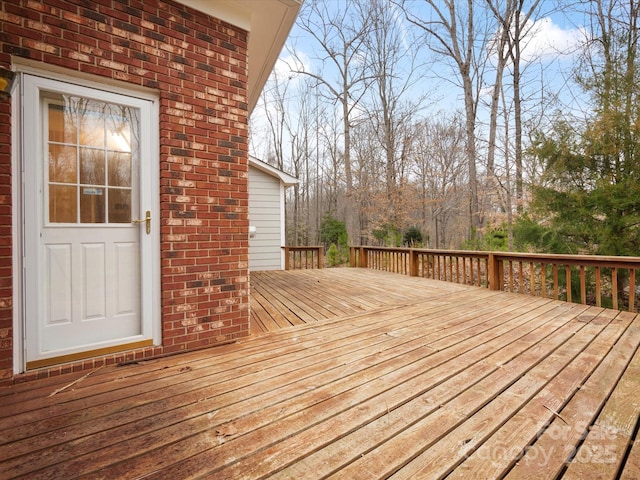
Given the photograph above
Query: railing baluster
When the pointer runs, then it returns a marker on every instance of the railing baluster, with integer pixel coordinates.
(463, 273)
(632, 290)
(424, 265)
(614, 287)
(598, 296)
(486, 273)
(443, 274)
(532, 278)
(511, 275)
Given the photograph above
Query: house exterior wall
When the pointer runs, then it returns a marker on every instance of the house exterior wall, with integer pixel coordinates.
(198, 67)
(266, 200)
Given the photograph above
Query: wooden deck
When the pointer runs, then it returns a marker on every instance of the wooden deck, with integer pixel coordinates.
(379, 376)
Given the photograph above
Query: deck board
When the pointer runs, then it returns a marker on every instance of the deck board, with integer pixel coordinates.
(354, 374)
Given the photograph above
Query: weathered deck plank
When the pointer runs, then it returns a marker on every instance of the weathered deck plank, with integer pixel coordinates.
(559, 438)
(542, 390)
(403, 378)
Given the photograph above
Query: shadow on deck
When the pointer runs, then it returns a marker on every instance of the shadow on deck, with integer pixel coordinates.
(365, 374)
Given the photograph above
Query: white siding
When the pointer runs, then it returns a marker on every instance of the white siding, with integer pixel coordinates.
(266, 214)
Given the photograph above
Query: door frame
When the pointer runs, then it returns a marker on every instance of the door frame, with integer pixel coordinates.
(150, 253)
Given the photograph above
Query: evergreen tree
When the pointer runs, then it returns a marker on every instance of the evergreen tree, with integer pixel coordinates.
(333, 231)
(591, 186)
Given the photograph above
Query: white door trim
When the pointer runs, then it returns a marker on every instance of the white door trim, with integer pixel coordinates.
(23, 138)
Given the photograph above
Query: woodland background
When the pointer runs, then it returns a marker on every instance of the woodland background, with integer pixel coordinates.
(453, 124)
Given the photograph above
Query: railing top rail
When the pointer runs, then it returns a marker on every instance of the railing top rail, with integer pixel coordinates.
(587, 260)
(559, 259)
(308, 247)
(430, 251)
(454, 253)
(369, 247)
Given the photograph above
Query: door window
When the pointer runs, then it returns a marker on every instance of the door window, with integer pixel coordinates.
(91, 152)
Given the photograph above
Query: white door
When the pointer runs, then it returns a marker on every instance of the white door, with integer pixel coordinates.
(88, 220)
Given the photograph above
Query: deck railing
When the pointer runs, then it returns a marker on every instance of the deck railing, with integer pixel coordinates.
(586, 279)
(296, 258)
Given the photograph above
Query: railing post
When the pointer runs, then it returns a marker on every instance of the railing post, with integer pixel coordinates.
(413, 263)
(494, 272)
(320, 256)
(363, 258)
(286, 258)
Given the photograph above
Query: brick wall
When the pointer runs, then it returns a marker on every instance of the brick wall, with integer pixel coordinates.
(198, 66)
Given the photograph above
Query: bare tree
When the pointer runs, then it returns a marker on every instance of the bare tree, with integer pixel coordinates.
(339, 30)
(521, 19)
(499, 47)
(274, 97)
(299, 126)
(439, 169)
(456, 30)
(368, 172)
(513, 25)
(392, 59)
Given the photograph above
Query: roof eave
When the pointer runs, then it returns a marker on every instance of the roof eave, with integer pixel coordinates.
(285, 178)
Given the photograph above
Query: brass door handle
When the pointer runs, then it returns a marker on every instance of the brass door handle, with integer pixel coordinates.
(146, 221)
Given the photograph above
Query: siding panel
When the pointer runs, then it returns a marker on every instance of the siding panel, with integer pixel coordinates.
(266, 194)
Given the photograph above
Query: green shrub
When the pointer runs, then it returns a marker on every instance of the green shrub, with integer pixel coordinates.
(412, 237)
(333, 256)
(333, 230)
